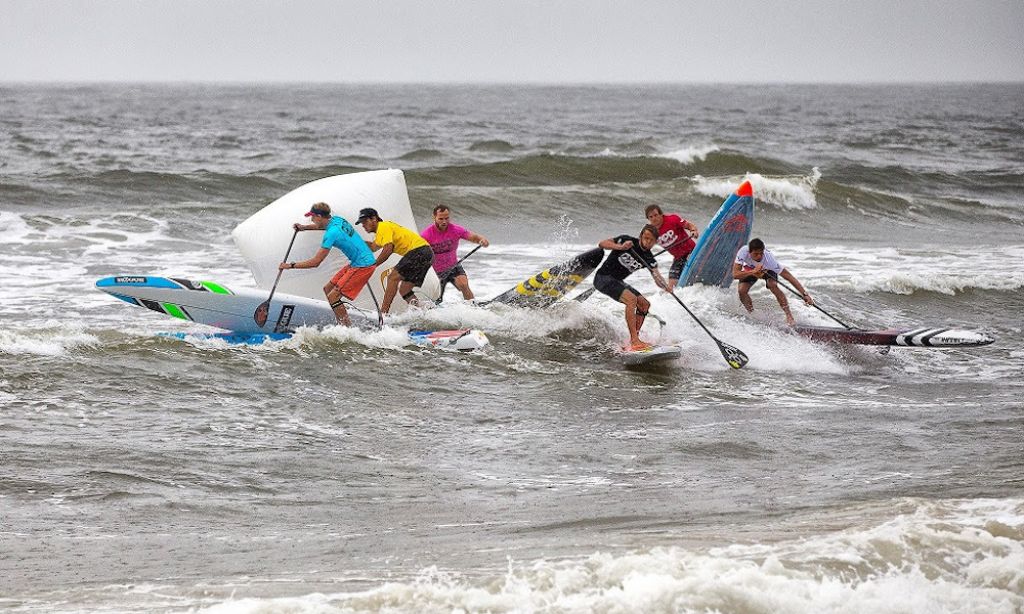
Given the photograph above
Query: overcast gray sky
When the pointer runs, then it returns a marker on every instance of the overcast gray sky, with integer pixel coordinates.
(512, 41)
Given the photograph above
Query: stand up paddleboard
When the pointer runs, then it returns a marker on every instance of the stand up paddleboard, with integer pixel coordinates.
(652, 354)
(550, 285)
(912, 337)
(710, 263)
(232, 310)
(463, 340)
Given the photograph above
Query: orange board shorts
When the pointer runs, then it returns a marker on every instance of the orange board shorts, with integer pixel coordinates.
(350, 280)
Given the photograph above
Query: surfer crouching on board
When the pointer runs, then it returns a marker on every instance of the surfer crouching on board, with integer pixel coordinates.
(619, 265)
(754, 262)
(416, 255)
(350, 280)
(444, 236)
(676, 235)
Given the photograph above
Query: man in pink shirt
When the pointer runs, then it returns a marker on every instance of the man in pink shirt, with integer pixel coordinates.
(444, 237)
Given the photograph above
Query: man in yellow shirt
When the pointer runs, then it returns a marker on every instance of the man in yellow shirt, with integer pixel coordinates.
(417, 257)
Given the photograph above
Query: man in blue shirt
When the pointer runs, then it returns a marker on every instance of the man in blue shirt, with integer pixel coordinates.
(349, 281)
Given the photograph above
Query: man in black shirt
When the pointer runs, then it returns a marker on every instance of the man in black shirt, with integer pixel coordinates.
(629, 255)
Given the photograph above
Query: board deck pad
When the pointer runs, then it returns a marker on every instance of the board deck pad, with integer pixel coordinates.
(655, 353)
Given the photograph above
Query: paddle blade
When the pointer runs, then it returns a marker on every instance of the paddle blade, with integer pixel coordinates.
(261, 313)
(735, 358)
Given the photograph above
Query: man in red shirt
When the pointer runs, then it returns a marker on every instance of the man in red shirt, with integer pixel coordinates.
(676, 235)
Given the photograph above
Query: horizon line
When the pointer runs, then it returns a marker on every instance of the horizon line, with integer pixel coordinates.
(526, 83)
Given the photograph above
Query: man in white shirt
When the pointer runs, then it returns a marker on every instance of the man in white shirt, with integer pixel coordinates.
(754, 262)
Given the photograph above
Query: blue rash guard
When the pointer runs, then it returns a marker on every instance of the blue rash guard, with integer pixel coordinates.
(339, 233)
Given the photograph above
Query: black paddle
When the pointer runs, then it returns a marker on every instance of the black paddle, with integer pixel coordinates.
(261, 313)
(446, 282)
(733, 356)
(380, 316)
(793, 290)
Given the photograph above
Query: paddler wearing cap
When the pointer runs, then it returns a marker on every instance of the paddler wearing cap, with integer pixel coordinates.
(390, 238)
(350, 280)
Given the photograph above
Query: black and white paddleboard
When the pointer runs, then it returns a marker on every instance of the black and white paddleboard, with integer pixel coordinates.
(655, 353)
(928, 337)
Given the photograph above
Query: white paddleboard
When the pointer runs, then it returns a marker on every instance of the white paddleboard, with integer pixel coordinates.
(233, 309)
(654, 353)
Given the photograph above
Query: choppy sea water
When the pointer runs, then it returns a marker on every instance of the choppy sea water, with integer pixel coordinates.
(346, 471)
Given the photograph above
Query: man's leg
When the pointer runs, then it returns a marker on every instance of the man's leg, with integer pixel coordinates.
(675, 272)
(334, 297)
(773, 286)
(394, 278)
(642, 307)
(462, 283)
(405, 290)
(629, 300)
(745, 296)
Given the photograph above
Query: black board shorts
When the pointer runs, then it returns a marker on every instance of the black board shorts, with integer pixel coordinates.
(415, 263)
(753, 280)
(608, 285)
(676, 270)
(448, 275)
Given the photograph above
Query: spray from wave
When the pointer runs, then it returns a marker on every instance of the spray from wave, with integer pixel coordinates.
(793, 193)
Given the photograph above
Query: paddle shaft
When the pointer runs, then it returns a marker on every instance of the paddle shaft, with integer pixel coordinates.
(285, 259)
(264, 307)
(793, 290)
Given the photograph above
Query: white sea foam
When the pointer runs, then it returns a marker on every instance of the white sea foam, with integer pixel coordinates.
(54, 340)
(785, 192)
(965, 556)
(905, 271)
(689, 154)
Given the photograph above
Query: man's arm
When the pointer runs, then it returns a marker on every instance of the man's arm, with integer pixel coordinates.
(611, 244)
(312, 263)
(796, 284)
(658, 279)
(478, 239)
(300, 227)
(739, 273)
(385, 252)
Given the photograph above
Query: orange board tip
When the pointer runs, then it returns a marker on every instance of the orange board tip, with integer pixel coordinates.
(745, 189)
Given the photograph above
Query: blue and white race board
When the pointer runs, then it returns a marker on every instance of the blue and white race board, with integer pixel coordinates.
(710, 263)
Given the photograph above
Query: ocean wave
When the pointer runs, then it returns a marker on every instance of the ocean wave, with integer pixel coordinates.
(609, 166)
(946, 556)
(951, 284)
(418, 155)
(492, 145)
(45, 342)
(689, 155)
(792, 193)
